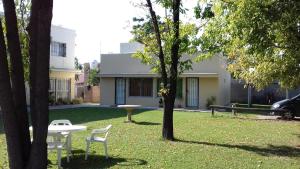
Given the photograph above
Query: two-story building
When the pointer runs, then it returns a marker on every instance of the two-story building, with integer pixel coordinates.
(125, 80)
(62, 65)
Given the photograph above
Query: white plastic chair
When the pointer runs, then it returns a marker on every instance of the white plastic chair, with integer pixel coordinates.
(55, 142)
(68, 135)
(93, 138)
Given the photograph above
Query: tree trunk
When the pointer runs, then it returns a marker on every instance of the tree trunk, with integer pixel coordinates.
(167, 130)
(39, 32)
(171, 82)
(11, 127)
(17, 76)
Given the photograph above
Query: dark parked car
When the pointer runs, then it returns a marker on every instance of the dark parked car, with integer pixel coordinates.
(291, 105)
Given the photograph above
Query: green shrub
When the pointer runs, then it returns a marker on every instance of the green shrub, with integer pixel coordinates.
(60, 101)
(51, 100)
(77, 100)
(66, 101)
(210, 101)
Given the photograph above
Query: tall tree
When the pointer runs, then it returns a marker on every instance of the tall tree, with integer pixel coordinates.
(39, 33)
(17, 75)
(12, 132)
(165, 40)
(22, 154)
(260, 38)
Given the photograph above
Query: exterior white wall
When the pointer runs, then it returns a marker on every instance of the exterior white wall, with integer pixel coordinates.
(124, 64)
(107, 96)
(224, 83)
(63, 35)
(130, 47)
(118, 64)
(214, 79)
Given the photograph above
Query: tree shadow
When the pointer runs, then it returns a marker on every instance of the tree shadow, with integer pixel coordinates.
(77, 161)
(1, 124)
(284, 151)
(84, 115)
(145, 123)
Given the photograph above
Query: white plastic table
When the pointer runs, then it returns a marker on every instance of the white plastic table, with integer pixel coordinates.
(129, 109)
(56, 129)
(71, 128)
(60, 129)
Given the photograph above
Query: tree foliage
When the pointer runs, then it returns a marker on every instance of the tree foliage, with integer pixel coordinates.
(78, 66)
(23, 14)
(166, 39)
(144, 33)
(260, 38)
(94, 78)
(22, 152)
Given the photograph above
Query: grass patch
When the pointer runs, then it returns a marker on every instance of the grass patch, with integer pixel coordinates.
(202, 141)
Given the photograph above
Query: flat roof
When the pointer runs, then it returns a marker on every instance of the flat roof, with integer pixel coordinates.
(156, 75)
(65, 70)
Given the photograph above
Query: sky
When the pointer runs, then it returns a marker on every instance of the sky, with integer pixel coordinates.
(100, 25)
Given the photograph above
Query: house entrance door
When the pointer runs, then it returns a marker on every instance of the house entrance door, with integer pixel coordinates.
(192, 92)
(120, 91)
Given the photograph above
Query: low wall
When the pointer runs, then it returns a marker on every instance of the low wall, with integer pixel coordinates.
(89, 94)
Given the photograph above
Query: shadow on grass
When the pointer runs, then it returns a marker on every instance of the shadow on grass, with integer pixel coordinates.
(278, 119)
(84, 115)
(285, 151)
(77, 161)
(145, 123)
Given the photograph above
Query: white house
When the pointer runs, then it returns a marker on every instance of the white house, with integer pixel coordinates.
(125, 80)
(62, 63)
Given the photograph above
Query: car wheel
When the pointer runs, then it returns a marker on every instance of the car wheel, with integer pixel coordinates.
(288, 115)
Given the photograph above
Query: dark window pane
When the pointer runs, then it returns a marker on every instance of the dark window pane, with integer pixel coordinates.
(134, 87)
(147, 87)
(140, 87)
(179, 89)
(58, 49)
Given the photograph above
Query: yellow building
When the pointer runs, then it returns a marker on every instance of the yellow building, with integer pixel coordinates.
(62, 65)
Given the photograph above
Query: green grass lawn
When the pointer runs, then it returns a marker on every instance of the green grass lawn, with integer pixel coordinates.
(202, 141)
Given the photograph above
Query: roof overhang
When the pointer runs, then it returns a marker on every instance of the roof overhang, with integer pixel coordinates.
(65, 70)
(130, 75)
(157, 75)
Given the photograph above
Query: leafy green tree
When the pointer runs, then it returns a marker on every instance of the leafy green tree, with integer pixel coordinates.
(260, 38)
(78, 66)
(22, 153)
(165, 40)
(94, 78)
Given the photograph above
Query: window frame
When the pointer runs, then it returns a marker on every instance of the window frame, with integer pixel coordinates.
(140, 85)
(58, 49)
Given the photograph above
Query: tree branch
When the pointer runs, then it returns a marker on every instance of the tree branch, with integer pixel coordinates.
(159, 42)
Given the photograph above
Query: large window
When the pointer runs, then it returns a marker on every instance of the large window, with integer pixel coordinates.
(140, 87)
(60, 88)
(178, 89)
(58, 49)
